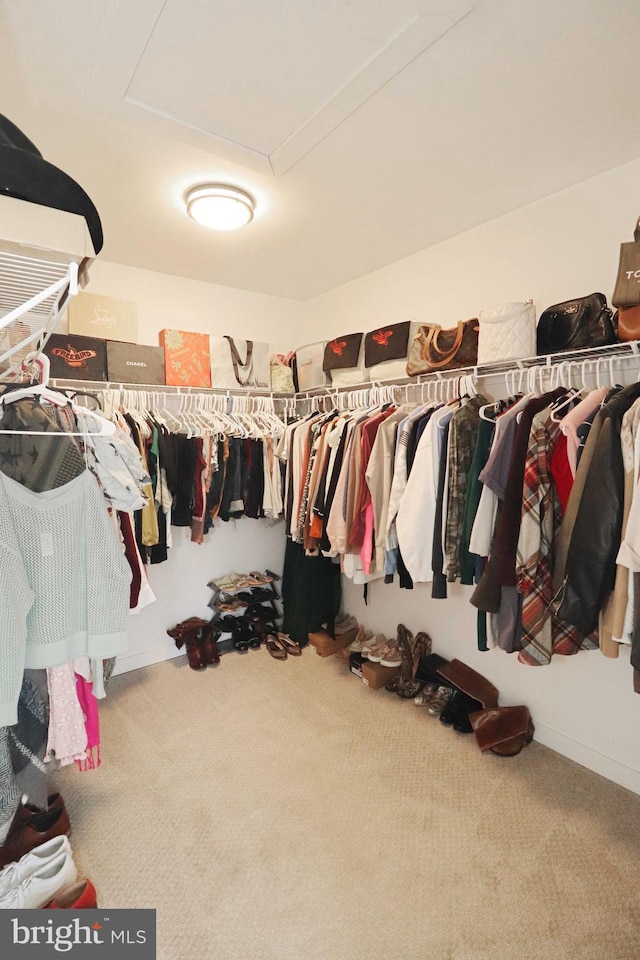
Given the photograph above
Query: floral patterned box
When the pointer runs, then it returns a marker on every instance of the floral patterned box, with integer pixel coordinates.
(186, 358)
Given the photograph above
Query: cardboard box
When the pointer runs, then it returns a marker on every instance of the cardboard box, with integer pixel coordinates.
(325, 645)
(76, 358)
(374, 675)
(186, 358)
(94, 315)
(131, 363)
(356, 660)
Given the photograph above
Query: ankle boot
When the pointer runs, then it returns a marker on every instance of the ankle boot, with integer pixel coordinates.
(189, 634)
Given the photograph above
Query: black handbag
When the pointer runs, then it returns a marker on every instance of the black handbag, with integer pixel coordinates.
(627, 291)
(576, 325)
(390, 342)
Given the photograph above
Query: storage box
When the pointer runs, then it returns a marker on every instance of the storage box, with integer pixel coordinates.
(356, 660)
(76, 358)
(377, 676)
(132, 363)
(186, 358)
(94, 315)
(325, 645)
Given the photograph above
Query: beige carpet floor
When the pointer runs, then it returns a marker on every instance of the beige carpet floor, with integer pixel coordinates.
(283, 811)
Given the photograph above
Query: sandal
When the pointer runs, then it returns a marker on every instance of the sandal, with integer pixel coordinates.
(291, 647)
(275, 648)
(439, 702)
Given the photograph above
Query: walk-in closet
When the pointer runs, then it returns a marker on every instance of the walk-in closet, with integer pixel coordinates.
(320, 480)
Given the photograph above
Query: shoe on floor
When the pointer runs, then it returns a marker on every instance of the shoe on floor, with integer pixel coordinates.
(15, 873)
(426, 695)
(33, 832)
(42, 886)
(79, 896)
(441, 699)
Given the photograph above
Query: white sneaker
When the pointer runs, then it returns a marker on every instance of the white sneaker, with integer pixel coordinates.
(390, 654)
(15, 873)
(42, 886)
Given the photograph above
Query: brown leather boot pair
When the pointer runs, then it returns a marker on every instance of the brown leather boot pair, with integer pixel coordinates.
(199, 637)
(502, 730)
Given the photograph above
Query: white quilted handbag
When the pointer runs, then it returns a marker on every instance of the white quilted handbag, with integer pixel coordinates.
(507, 332)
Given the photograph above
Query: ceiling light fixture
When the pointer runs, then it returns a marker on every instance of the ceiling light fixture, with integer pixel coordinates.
(220, 206)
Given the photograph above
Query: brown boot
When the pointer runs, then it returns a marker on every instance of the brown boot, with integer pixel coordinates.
(210, 650)
(470, 682)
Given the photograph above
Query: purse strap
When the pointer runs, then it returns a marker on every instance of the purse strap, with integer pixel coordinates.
(431, 340)
(237, 362)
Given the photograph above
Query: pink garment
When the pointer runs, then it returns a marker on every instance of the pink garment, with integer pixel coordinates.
(67, 733)
(575, 417)
(91, 722)
(366, 550)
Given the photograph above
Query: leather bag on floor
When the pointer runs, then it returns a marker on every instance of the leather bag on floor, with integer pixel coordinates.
(579, 324)
(627, 289)
(436, 349)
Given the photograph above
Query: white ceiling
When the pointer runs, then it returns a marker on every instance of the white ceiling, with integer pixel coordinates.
(366, 130)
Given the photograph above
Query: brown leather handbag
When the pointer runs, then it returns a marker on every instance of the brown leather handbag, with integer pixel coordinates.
(629, 323)
(436, 349)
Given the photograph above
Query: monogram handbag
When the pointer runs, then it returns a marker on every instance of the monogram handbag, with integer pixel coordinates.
(239, 363)
(436, 349)
(627, 290)
(507, 332)
(344, 360)
(387, 348)
(576, 325)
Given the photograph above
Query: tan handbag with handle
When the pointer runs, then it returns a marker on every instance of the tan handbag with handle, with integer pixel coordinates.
(436, 349)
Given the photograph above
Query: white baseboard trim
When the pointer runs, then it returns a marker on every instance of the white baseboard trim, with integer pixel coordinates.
(607, 767)
(145, 658)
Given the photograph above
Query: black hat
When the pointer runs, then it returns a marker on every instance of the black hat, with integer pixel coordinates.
(25, 175)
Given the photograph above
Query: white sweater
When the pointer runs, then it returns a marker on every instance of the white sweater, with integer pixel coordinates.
(64, 581)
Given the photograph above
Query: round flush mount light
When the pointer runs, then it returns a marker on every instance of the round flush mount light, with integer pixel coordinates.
(220, 206)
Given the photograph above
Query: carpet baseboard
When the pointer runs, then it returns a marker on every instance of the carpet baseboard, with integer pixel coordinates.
(599, 763)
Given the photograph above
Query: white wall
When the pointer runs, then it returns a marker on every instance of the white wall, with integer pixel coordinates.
(180, 584)
(558, 248)
(182, 304)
